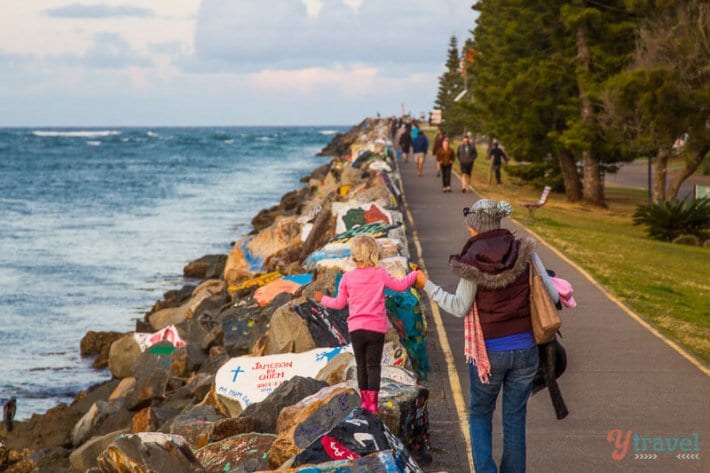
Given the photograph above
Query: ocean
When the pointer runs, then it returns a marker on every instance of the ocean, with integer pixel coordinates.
(96, 224)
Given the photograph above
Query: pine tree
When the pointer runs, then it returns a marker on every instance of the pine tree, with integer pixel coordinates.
(451, 84)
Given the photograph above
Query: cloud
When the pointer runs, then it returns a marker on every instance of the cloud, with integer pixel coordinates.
(96, 11)
(247, 36)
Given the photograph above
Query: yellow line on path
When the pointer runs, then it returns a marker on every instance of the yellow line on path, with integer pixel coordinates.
(454, 379)
(664, 338)
(680, 350)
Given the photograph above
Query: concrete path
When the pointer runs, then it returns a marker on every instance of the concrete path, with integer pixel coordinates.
(620, 378)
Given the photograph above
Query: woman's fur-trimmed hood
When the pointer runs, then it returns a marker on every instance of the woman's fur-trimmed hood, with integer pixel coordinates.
(493, 259)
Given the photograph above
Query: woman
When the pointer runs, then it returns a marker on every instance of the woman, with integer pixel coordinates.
(493, 297)
(445, 159)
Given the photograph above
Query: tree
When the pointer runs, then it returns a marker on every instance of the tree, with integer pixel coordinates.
(665, 92)
(451, 84)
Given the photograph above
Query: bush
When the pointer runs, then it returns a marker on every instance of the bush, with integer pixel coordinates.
(540, 174)
(690, 240)
(668, 220)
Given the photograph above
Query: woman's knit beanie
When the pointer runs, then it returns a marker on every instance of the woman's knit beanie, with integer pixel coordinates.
(485, 214)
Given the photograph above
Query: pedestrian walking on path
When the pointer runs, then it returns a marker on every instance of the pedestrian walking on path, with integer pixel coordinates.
(405, 142)
(438, 142)
(420, 147)
(466, 154)
(362, 290)
(445, 159)
(497, 157)
(493, 298)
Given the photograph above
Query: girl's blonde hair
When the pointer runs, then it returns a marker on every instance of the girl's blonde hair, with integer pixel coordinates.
(364, 249)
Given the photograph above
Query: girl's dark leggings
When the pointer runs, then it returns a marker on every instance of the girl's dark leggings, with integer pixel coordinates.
(367, 346)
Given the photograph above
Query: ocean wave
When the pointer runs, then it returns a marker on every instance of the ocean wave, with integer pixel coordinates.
(328, 132)
(229, 142)
(151, 134)
(265, 138)
(93, 143)
(77, 134)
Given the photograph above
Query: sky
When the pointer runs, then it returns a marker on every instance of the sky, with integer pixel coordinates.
(221, 62)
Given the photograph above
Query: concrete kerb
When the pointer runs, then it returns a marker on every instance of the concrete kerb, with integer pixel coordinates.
(453, 376)
(627, 310)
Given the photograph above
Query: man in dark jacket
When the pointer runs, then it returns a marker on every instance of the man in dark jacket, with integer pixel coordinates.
(405, 143)
(466, 154)
(420, 146)
(498, 156)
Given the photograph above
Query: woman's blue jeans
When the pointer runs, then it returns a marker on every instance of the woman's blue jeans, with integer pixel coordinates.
(514, 371)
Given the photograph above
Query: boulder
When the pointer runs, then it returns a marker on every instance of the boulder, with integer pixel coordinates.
(323, 229)
(226, 406)
(14, 461)
(171, 316)
(196, 424)
(403, 409)
(284, 232)
(287, 333)
(123, 355)
(152, 371)
(88, 423)
(99, 344)
(359, 434)
(336, 371)
(288, 393)
(207, 267)
(173, 298)
(300, 424)
(98, 392)
(244, 323)
(84, 457)
(123, 388)
(265, 217)
(149, 451)
(236, 268)
(55, 459)
(226, 428)
(207, 289)
(51, 429)
(378, 462)
(243, 453)
(286, 260)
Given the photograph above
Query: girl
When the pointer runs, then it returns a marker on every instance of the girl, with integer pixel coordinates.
(363, 290)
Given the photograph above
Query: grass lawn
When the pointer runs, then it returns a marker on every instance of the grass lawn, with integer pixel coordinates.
(667, 284)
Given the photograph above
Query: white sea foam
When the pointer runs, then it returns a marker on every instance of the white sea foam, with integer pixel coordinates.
(229, 142)
(327, 132)
(265, 138)
(151, 134)
(78, 134)
(93, 143)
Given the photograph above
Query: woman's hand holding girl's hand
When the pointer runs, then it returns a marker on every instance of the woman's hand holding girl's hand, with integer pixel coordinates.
(317, 296)
(421, 279)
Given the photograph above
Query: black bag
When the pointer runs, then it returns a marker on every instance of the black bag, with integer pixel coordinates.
(553, 362)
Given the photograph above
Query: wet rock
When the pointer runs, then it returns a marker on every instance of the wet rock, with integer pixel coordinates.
(98, 343)
(287, 333)
(206, 267)
(288, 393)
(149, 451)
(51, 429)
(84, 457)
(243, 453)
(122, 356)
(88, 423)
(300, 424)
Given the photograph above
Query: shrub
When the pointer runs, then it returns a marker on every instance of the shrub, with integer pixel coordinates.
(540, 174)
(690, 240)
(667, 220)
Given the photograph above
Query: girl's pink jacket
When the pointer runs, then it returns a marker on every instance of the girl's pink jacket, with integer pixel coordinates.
(363, 290)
